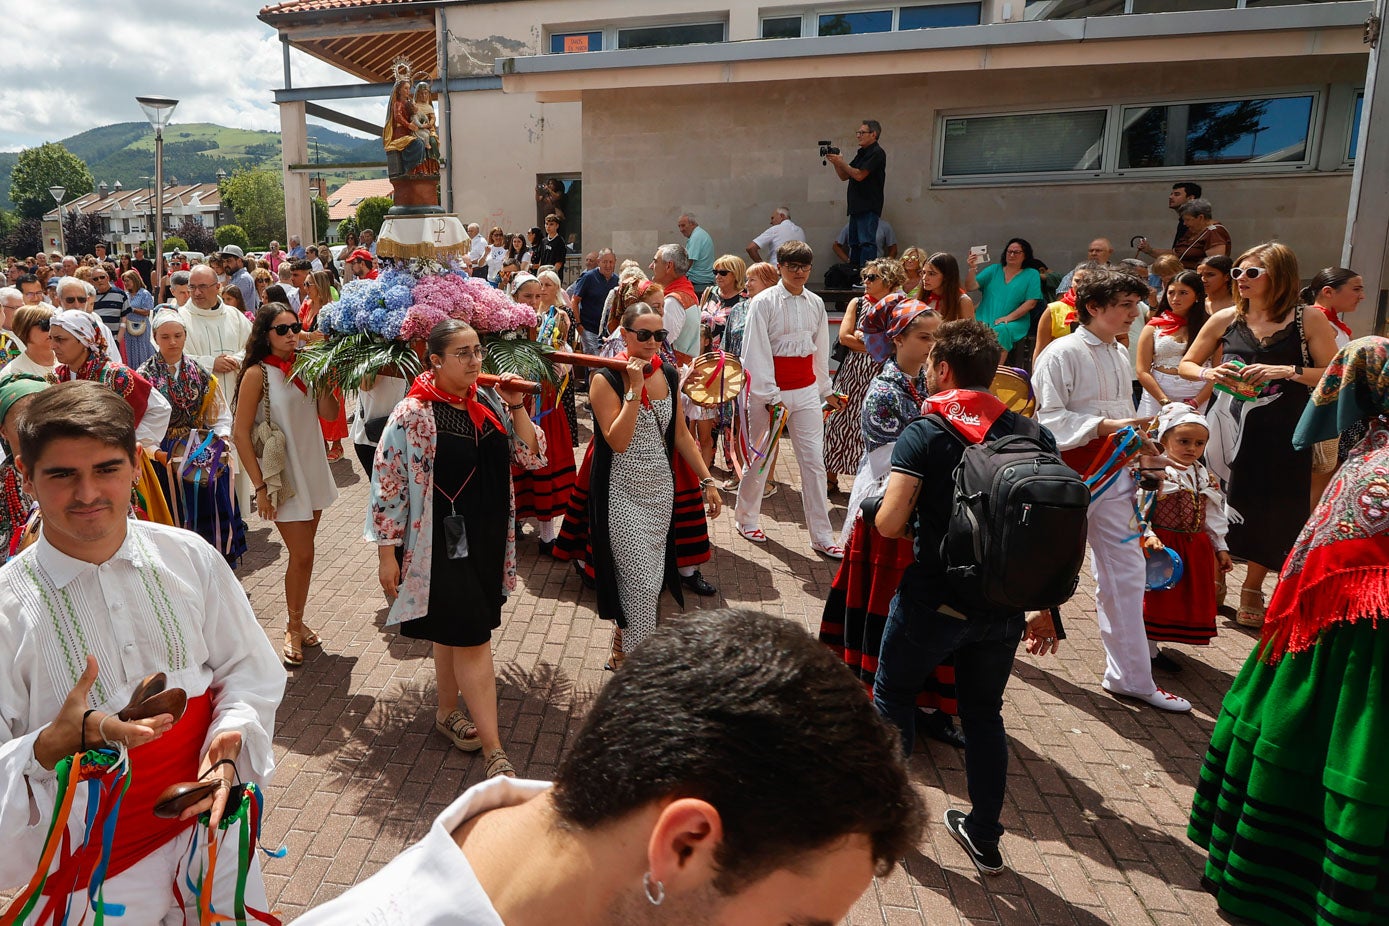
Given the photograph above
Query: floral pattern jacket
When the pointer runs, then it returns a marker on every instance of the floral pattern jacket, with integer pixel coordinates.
(402, 482)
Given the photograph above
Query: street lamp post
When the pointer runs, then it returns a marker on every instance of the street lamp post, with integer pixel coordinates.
(58, 193)
(313, 193)
(159, 110)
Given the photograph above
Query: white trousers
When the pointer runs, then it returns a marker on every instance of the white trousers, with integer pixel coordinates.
(146, 889)
(806, 429)
(1120, 574)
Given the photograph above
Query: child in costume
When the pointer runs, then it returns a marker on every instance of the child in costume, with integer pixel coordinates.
(1186, 515)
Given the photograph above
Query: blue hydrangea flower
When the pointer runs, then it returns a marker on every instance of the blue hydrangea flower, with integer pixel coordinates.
(390, 328)
(398, 297)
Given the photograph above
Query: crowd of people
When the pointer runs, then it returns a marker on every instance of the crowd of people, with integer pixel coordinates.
(1212, 399)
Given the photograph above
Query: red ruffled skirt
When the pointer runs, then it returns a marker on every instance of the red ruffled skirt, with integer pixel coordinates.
(855, 615)
(337, 428)
(544, 493)
(1184, 613)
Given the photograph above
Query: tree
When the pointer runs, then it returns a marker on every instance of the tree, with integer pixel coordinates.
(347, 226)
(257, 200)
(320, 218)
(37, 169)
(232, 234)
(173, 243)
(372, 212)
(82, 232)
(196, 234)
(25, 240)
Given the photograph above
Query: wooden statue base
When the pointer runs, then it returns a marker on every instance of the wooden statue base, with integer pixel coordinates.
(416, 195)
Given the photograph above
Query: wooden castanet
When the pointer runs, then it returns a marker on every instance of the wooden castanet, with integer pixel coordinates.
(589, 360)
(488, 381)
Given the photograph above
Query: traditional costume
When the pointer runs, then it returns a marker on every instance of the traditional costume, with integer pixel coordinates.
(543, 493)
(15, 504)
(164, 602)
(151, 409)
(212, 333)
(1291, 804)
(197, 478)
(425, 440)
(1187, 513)
(622, 520)
(1081, 380)
(682, 321)
(786, 353)
(856, 611)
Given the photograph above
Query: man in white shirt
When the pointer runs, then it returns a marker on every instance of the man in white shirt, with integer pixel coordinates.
(477, 251)
(1083, 395)
(778, 233)
(82, 628)
(786, 354)
(660, 813)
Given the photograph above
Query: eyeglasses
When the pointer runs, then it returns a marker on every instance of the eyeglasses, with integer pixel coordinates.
(283, 330)
(643, 335)
(863, 132)
(1247, 273)
(202, 285)
(871, 277)
(723, 273)
(796, 268)
(467, 353)
(74, 300)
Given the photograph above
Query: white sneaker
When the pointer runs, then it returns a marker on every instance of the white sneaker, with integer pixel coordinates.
(1160, 699)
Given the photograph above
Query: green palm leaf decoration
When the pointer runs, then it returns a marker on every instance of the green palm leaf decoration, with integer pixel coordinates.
(526, 358)
(348, 361)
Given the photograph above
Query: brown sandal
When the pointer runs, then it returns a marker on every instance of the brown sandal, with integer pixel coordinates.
(499, 764)
(1250, 615)
(617, 655)
(461, 731)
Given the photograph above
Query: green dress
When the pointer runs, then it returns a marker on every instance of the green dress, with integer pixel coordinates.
(999, 297)
(1293, 799)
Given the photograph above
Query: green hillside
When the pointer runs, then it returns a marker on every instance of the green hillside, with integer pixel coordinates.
(194, 152)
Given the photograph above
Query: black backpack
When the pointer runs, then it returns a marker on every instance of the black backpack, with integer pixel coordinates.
(1016, 536)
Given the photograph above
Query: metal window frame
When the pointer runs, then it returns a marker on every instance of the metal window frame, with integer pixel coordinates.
(1109, 158)
(617, 30)
(551, 33)
(810, 15)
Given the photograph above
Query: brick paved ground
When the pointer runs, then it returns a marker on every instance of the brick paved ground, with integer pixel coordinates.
(1098, 790)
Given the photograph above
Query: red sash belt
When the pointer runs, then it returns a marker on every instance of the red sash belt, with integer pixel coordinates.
(172, 758)
(1084, 459)
(794, 372)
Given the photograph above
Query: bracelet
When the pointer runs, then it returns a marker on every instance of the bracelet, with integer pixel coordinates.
(707, 481)
(514, 407)
(258, 489)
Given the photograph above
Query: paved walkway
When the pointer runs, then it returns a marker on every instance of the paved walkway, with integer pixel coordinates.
(1098, 790)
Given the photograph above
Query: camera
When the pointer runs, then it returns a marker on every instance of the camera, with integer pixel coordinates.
(826, 149)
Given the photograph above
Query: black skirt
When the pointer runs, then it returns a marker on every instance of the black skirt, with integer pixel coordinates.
(466, 595)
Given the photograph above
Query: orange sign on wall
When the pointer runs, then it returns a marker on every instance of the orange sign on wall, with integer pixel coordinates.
(575, 43)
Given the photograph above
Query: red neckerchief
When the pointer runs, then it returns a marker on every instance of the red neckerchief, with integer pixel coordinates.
(1069, 297)
(970, 412)
(1167, 322)
(683, 291)
(287, 368)
(1335, 319)
(425, 389)
(655, 365)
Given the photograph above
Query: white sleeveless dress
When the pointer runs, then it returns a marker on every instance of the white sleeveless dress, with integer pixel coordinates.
(306, 459)
(1167, 355)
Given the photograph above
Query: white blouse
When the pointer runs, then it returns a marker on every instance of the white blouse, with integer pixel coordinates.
(780, 324)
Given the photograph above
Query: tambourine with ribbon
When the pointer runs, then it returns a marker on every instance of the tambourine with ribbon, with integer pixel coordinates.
(714, 378)
(1164, 569)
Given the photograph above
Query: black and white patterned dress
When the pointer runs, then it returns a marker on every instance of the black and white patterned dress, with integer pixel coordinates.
(641, 498)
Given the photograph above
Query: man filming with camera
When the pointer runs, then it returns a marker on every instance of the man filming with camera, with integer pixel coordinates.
(865, 174)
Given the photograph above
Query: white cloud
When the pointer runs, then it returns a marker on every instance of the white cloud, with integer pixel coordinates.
(81, 64)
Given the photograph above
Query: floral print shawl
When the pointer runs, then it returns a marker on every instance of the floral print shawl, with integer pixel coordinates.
(402, 482)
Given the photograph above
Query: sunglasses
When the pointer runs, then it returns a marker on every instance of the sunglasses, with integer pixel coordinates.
(74, 300)
(44, 324)
(643, 335)
(283, 330)
(723, 273)
(1247, 273)
(871, 277)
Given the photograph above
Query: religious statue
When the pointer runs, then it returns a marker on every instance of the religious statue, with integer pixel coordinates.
(411, 132)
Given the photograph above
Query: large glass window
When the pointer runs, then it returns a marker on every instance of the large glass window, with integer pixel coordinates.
(563, 43)
(1267, 131)
(1023, 143)
(855, 23)
(940, 14)
(1355, 125)
(675, 34)
(781, 27)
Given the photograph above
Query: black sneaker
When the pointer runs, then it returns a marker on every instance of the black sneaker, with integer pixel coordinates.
(987, 859)
(696, 583)
(940, 726)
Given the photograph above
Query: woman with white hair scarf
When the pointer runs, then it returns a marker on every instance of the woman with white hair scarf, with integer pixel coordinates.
(198, 478)
(78, 348)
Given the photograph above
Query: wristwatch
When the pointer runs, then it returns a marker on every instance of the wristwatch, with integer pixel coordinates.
(629, 395)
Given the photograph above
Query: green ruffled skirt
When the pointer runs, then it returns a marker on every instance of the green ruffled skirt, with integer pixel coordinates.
(1293, 801)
